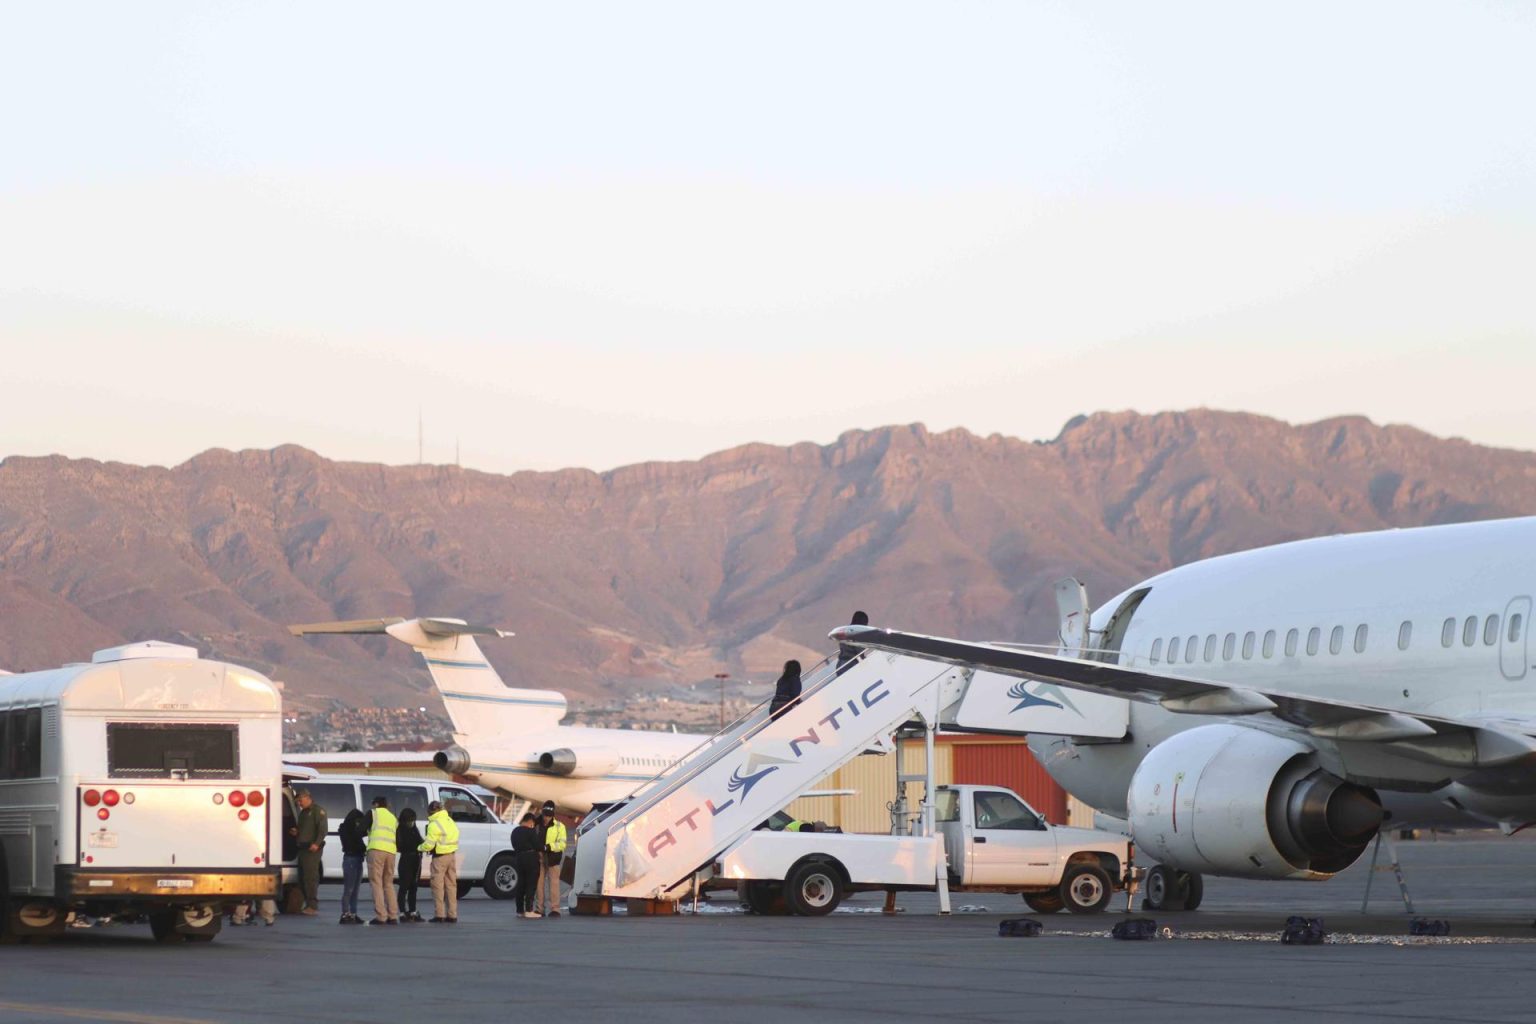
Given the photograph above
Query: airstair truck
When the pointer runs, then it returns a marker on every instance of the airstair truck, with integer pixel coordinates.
(681, 829)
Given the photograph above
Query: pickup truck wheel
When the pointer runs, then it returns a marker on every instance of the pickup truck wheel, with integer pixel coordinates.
(501, 877)
(1085, 889)
(813, 889)
(1044, 902)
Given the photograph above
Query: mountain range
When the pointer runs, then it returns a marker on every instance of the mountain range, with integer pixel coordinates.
(661, 573)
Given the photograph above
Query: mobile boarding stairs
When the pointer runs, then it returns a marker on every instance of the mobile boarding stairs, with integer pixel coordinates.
(662, 841)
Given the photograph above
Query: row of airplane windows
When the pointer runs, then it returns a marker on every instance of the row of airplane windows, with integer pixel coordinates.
(648, 762)
(1192, 649)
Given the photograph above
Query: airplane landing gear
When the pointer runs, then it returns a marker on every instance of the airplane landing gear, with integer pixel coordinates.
(1167, 889)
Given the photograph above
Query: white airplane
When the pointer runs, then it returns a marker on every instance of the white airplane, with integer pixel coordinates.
(1265, 714)
(517, 742)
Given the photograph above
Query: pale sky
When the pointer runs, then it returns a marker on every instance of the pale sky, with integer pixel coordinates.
(598, 234)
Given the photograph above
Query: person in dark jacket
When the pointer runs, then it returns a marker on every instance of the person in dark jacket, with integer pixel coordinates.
(408, 870)
(525, 854)
(353, 834)
(847, 652)
(786, 692)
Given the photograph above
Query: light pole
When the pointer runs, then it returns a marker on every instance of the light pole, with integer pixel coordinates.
(722, 676)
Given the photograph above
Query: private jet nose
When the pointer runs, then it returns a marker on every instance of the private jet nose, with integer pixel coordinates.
(454, 760)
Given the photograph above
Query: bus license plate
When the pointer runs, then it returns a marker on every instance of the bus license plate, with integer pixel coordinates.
(174, 883)
(102, 840)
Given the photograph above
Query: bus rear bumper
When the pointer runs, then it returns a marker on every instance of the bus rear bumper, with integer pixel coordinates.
(159, 883)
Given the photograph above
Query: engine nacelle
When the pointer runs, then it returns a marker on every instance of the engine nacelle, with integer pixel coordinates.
(1236, 801)
(454, 760)
(578, 762)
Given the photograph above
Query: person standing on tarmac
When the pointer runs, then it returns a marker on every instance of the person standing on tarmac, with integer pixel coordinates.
(443, 844)
(552, 845)
(847, 652)
(408, 839)
(525, 857)
(786, 692)
(381, 863)
(309, 833)
(353, 834)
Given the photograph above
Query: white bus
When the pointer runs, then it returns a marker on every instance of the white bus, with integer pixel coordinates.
(146, 784)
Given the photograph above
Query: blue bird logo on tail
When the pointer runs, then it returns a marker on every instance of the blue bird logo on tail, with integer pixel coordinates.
(743, 784)
(1020, 693)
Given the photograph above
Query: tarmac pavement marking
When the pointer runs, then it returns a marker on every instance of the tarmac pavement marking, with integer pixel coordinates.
(117, 1016)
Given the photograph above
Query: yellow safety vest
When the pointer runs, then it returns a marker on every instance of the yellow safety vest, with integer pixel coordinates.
(382, 835)
(442, 835)
(554, 839)
(795, 826)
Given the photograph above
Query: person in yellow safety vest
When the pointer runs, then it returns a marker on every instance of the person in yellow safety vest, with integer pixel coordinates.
(443, 844)
(552, 850)
(381, 863)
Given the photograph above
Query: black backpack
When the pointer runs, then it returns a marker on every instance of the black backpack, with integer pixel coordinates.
(1303, 931)
(1020, 927)
(1137, 929)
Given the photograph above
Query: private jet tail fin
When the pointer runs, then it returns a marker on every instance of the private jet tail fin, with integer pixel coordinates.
(476, 699)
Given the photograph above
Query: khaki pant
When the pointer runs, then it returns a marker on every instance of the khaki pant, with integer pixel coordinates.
(549, 886)
(445, 885)
(381, 879)
(265, 909)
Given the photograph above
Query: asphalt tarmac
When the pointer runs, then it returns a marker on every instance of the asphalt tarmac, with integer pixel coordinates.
(1224, 962)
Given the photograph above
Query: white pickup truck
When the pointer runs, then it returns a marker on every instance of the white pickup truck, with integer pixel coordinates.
(992, 842)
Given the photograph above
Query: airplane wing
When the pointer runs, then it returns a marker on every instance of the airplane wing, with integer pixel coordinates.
(1462, 743)
(431, 627)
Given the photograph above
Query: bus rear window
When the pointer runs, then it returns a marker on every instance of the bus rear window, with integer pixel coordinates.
(144, 750)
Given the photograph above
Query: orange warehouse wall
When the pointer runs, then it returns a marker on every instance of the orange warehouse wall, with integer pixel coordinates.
(1013, 766)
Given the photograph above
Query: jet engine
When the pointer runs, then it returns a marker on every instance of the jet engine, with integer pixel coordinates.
(1237, 801)
(579, 762)
(454, 760)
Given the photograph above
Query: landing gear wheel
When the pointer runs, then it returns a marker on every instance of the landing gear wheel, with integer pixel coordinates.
(1044, 902)
(813, 889)
(1168, 889)
(500, 877)
(1194, 889)
(1085, 889)
(766, 899)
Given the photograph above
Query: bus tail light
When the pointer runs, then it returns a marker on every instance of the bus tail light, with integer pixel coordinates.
(254, 798)
(127, 798)
(103, 813)
(244, 814)
(236, 798)
(218, 798)
(110, 798)
(91, 798)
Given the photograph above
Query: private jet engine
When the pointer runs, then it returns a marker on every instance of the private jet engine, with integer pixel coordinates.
(1236, 801)
(454, 760)
(578, 762)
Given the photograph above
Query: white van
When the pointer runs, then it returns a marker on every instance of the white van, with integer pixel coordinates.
(485, 841)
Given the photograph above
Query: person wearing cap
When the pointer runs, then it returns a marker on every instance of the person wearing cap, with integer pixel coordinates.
(309, 832)
(382, 846)
(552, 848)
(442, 843)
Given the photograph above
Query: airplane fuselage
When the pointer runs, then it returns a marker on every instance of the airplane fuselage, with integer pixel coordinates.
(1433, 620)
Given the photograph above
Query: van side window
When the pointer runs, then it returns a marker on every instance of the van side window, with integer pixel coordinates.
(336, 798)
(1314, 635)
(1005, 811)
(1491, 630)
(1269, 643)
(1157, 649)
(1404, 636)
(463, 807)
(1361, 634)
(1448, 633)
(1291, 637)
(1469, 631)
(400, 796)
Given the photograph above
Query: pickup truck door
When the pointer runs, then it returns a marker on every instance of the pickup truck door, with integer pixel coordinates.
(1009, 843)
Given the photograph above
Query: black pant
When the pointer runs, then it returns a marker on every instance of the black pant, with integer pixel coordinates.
(527, 881)
(410, 877)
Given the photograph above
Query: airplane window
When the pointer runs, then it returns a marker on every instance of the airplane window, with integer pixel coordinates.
(1269, 643)
(1336, 640)
(1290, 643)
(1191, 648)
(1210, 647)
(1248, 645)
(1313, 636)
(1514, 627)
(1227, 646)
(1157, 649)
(1448, 633)
(1469, 631)
(1173, 650)
(1404, 635)
(1360, 635)
(1491, 630)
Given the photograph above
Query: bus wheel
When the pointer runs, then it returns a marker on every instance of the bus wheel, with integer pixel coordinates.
(199, 922)
(465, 888)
